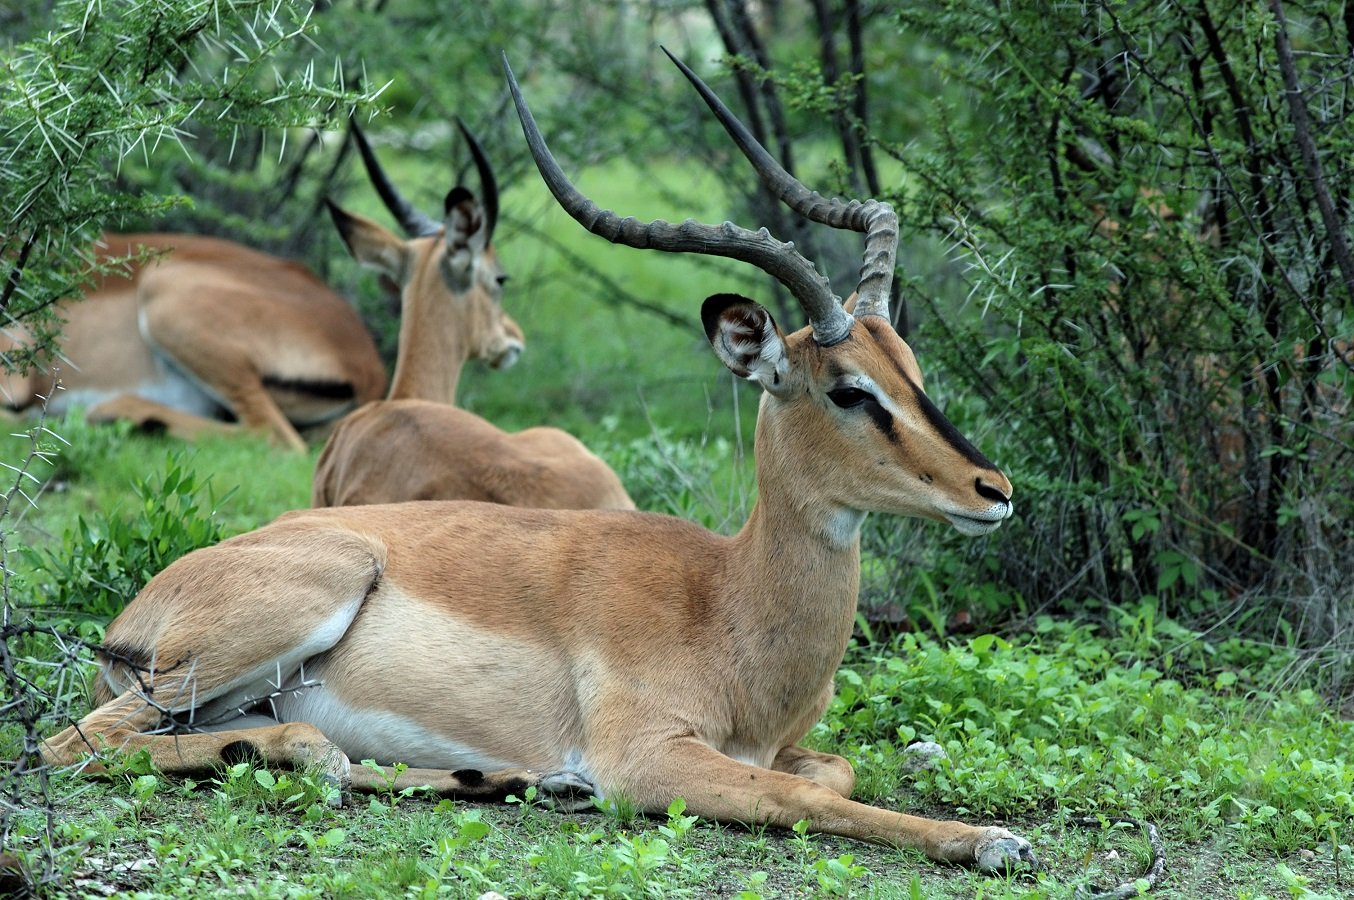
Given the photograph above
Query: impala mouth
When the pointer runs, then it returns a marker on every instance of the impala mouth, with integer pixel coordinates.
(508, 358)
(984, 523)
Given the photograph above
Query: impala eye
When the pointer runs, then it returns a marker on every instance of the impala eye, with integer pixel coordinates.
(849, 397)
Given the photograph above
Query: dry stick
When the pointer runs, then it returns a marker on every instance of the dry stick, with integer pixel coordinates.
(1129, 888)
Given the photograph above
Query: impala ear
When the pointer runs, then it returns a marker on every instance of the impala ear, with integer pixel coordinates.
(466, 237)
(747, 341)
(465, 221)
(370, 244)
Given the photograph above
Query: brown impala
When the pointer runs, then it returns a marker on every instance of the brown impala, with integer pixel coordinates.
(201, 332)
(451, 285)
(613, 652)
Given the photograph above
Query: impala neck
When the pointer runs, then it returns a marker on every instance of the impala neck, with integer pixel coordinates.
(795, 565)
(433, 348)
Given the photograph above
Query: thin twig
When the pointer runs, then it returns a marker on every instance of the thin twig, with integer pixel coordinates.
(1128, 889)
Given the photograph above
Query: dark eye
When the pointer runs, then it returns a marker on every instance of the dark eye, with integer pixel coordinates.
(849, 397)
(502, 280)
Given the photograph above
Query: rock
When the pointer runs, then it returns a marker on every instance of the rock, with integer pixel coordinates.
(921, 755)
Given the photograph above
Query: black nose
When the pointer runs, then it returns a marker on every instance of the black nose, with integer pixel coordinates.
(989, 492)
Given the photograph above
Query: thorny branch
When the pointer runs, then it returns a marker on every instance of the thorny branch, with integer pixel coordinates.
(25, 709)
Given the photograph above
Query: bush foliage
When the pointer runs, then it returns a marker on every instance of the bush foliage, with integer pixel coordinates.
(1150, 206)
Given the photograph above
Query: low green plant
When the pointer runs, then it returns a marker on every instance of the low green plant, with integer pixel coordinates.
(1068, 719)
(390, 775)
(309, 793)
(465, 829)
(839, 876)
(685, 478)
(618, 807)
(101, 562)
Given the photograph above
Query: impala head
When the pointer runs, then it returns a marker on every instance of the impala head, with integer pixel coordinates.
(844, 421)
(450, 263)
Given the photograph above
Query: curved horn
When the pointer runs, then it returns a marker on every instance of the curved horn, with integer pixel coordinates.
(414, 223)
(875, 219)
(830, 321)
(488, 184)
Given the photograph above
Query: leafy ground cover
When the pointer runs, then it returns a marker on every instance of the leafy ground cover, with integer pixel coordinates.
(1251, 792)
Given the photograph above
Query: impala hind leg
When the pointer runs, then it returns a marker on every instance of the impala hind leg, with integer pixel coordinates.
(123, 723)
(220, 633)
(213, 354)
(718, 787)
(832, 772)
(149, 415)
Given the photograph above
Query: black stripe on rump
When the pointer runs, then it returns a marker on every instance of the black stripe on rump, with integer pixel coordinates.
(330, 390)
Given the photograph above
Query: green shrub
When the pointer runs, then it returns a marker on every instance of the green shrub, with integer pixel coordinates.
(1154, 299)
(1069, 720)
(101, 562)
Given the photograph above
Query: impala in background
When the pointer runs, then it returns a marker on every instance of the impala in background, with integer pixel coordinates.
(626, 653)
(452, 285)
(201, 335)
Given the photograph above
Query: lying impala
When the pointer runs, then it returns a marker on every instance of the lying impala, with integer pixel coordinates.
(205, 335)
(451, 284)
(619, 652)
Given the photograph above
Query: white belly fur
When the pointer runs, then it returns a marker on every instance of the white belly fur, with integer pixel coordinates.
(384, 736)
(408, 683)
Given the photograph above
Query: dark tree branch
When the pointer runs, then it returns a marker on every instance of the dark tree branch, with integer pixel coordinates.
(861, 107)
(742, 80)
(827, 54)
(613, 293)
(16, 270)
(1311, 161)
(752, 46)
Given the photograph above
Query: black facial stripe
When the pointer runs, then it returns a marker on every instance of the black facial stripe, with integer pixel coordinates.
(949, 432)
(881, 419)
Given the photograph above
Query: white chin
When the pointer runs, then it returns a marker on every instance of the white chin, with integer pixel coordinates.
(972, 527)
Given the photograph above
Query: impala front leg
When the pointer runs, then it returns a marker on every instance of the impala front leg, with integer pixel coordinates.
(717, 787)
(564, 791)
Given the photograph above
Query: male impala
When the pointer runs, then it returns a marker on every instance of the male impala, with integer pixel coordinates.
(631, 653)
(452, 283)
(197, 331)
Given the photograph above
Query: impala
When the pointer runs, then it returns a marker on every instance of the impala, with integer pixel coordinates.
(198, 334)
(618, 653)
(451, 284)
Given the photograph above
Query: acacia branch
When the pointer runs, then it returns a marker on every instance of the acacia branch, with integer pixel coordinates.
(16, 270)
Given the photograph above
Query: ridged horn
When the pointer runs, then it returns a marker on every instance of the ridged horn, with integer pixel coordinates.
(414, 223)
(780, 260)
(873, 218)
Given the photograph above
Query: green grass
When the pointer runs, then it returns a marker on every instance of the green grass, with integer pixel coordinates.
(1251, 786)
